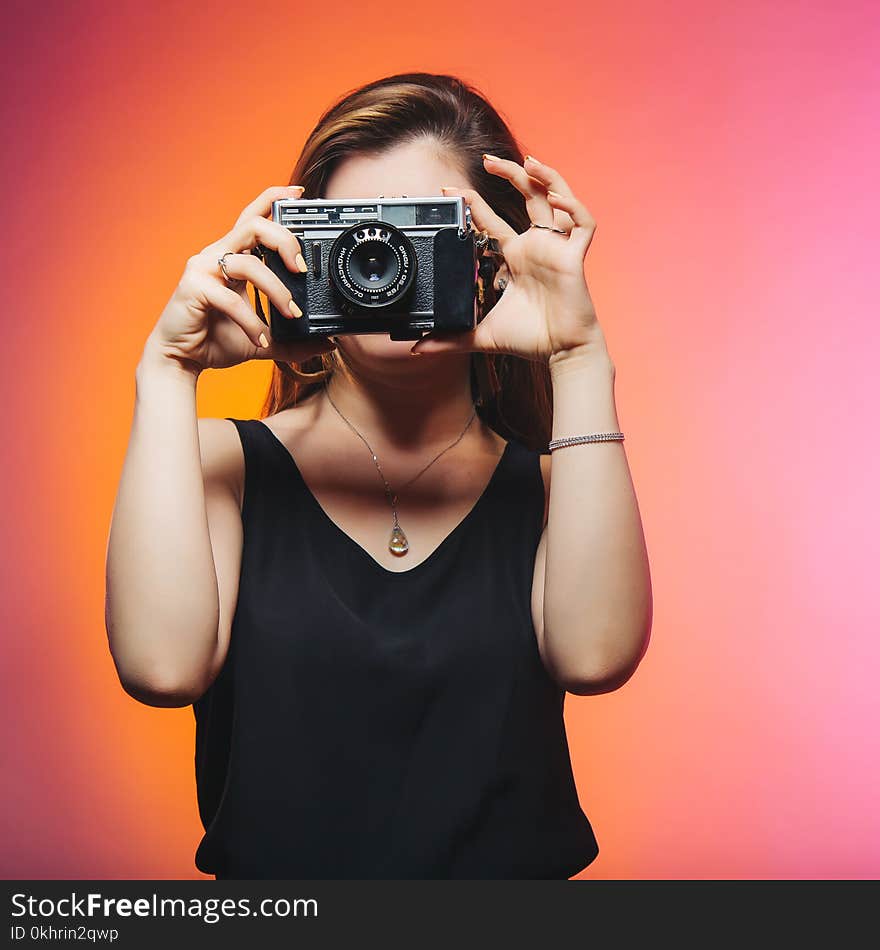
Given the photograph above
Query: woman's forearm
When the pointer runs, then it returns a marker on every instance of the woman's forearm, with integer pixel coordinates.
(162, 608)
(597, 586)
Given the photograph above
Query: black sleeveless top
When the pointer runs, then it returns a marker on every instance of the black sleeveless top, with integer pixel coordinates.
(373, 724)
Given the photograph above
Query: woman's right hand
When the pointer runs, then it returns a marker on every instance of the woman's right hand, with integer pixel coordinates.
(209, 323)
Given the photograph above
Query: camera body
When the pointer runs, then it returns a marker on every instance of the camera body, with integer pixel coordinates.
(400, 266)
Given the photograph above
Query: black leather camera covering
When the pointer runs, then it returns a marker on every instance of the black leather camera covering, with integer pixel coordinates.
(442, 295)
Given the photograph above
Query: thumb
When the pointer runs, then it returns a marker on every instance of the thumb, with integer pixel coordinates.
(297, 352)
(457, 341)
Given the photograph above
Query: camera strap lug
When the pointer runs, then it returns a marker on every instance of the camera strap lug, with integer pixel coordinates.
(484, 244)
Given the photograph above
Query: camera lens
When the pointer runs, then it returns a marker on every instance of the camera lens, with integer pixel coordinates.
(373, 263)
(372, 266)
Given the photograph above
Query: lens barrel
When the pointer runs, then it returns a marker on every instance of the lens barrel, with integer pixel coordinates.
(372, 265)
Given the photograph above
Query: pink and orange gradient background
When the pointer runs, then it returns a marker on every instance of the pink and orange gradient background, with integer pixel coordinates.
(729, 154)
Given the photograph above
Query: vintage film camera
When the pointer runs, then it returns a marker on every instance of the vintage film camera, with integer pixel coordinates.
(400, 266)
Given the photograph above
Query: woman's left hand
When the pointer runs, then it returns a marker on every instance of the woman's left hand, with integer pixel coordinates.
(545, 311)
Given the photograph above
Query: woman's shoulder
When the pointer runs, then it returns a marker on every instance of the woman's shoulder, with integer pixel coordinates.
(219, 445)
(222, 448)
(221, 454)
(524, 452)
(226, 433)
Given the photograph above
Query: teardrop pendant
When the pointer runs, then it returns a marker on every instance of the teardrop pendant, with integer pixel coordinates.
(397, 543)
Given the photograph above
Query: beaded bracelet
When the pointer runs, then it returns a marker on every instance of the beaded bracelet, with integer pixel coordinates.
(578, 439)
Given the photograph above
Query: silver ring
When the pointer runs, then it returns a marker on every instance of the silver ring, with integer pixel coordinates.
(546, 227)
(222, 262)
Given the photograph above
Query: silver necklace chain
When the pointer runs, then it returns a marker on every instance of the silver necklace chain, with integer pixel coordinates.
(398, 543)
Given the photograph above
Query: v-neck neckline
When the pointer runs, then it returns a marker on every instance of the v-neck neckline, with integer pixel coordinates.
(356, 546)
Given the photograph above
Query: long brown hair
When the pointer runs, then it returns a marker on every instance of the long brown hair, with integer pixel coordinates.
(513, 395)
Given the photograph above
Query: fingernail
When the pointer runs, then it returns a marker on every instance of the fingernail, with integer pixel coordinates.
(532, 158)
(301, 263)
(263, 341)
(493, 158)
(297, 187)
(294, 309)
(554, 193)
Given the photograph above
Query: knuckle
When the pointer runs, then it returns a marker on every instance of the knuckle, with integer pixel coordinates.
(254, 224)
(195, 262)
(238, 234)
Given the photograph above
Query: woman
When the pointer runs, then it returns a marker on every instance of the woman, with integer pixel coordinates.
(371, 596)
